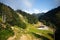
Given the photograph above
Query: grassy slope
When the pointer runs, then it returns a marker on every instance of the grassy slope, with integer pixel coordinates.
(29, 30)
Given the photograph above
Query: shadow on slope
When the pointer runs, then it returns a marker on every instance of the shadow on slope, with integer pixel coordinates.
(39, 36)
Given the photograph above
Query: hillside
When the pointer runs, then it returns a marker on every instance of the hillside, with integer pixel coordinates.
(38, 15)
(19, 25)
(52, 17)
(30, 18)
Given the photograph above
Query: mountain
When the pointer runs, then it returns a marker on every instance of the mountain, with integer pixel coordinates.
(52, 17)
(10, 16)
(38, 14)
(19, 25)
(5, 28)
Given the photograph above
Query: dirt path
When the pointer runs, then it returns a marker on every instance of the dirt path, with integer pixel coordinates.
(16, 34)
(24, 37)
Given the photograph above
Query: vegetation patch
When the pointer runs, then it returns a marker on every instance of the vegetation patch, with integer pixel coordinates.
(5, 33)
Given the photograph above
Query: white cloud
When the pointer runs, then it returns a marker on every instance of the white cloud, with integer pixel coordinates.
(45, 11)
(39, 11)
(36, 11)
(32, 11)
(27, 11)
(27, 3)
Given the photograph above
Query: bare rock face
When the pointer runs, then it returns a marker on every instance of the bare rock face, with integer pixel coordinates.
(3, 18)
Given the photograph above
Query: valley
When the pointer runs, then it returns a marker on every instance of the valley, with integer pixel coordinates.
(20, 25)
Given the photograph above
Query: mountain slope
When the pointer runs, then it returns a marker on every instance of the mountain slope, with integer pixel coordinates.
(38, 14)
(52, 16)
(30, 18)
(20, 25)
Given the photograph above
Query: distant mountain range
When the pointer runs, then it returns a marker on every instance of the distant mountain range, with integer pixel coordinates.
(38, 14)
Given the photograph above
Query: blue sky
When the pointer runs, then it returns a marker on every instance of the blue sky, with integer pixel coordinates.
(32, 6)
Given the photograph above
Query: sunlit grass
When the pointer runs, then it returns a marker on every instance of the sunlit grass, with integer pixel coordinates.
(40, 32)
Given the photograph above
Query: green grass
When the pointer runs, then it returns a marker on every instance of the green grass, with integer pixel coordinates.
(5, 33)
(43, 33)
